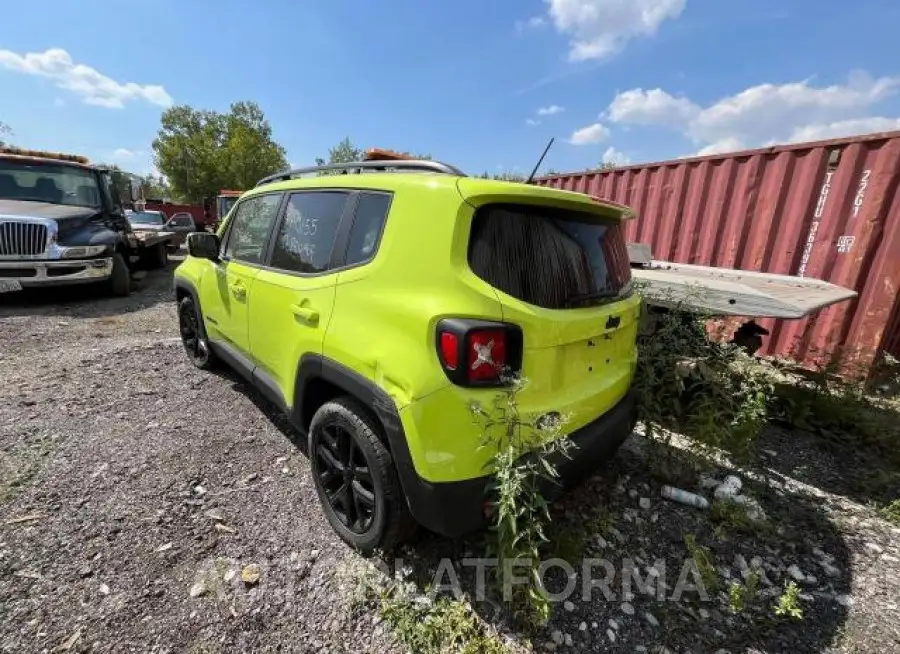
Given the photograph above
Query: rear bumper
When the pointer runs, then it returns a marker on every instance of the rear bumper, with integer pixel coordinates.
(456, 508)
(32, 273)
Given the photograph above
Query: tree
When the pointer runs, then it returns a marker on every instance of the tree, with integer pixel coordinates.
(343, 152)
(5, 130)
(347, 152)
(504, 176)
(201, 152)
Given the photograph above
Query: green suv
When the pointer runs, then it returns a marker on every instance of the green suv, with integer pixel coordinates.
(375, 308)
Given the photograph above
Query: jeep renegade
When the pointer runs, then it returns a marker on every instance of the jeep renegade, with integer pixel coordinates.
(374, 308)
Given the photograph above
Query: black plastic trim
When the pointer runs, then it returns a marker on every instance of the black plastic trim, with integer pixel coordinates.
(462, 328)
(267, 386)
(187, 287)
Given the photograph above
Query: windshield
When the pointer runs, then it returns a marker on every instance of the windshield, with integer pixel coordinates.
(146, 218)
(48, 182)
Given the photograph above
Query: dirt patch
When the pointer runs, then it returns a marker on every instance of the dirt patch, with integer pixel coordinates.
(137, 490)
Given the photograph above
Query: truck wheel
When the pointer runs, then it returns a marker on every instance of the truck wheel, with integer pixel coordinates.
(160, 256)
(355, 478)
(195, 343)
(119, 282)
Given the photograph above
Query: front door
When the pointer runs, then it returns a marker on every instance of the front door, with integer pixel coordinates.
(294, 297)
(227, 303)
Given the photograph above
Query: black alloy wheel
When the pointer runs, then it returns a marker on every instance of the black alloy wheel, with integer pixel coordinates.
(345, 477)
(355, 478)
(192, 338)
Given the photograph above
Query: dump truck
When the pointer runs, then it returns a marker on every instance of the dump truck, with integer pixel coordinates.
(62, 222)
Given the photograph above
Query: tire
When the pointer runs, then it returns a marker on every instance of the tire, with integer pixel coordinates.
(161, 255)
(155, 256)
(368, 511)
(193, 336)
(119, 282)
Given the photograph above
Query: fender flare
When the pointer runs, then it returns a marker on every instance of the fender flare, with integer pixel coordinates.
(184, 285)
(314, 367)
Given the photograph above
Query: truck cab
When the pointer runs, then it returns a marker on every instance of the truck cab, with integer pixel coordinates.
(62, 222)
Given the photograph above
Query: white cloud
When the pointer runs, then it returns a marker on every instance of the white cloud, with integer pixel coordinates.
(92, 86)
(759, 115)
(589, 135)
(531, 122)
(844, 128)
(549, 111)
(124, 153)
(532, 23)
(600, 28)
(730, 144)
(617, 157)
(652, 107)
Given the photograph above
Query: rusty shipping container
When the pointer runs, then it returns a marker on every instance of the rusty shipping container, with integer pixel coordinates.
(829, 210)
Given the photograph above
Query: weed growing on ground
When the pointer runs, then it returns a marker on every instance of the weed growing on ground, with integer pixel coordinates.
(740, 595)
(703, 558)
(420, 621)
(521, 470)
(891, 512)
(788, 603)
(710, 391)
(436, 626)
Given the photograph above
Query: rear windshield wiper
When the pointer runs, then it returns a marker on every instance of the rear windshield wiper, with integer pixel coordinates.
(587, 297)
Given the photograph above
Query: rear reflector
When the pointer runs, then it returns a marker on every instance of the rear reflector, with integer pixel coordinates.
(450, 350)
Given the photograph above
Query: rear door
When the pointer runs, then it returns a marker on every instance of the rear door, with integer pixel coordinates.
(563, 276)
(294, 296)
(226, 298)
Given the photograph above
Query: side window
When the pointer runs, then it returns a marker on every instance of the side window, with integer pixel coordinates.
(306, 236)
(181, 220)
(371, 213)
(250, 226)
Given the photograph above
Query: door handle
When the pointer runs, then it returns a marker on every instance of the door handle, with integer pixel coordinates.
(309, 315)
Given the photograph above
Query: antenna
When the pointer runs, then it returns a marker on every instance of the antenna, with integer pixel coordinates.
(540, 161)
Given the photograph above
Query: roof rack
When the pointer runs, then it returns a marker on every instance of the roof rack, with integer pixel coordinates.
(402, 165)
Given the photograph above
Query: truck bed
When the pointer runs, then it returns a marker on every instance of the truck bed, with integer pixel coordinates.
(729, 292)
(150, 237)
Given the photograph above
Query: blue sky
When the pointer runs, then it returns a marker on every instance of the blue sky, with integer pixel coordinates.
(627, 80)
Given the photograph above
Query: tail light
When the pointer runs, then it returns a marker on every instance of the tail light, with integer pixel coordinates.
(478, 352)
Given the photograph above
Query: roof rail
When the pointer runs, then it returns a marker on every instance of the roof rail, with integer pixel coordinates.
(402, 165)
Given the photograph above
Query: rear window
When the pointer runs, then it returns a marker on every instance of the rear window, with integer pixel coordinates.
(550, 258)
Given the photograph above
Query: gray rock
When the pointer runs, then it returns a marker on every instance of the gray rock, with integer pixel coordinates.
(644, 503)
(632, 493)
(613, 624)
(830, 570)
(756, 563)
(568, 640)
(611, 635)
(844, 600)
(627, 608)
(557, 636)
(582, 626)
(568, 606)
(875, 548)
(651, 619)
(703, 613)
(601, 542)
(740, 562)
(198, 589)
(795, 573)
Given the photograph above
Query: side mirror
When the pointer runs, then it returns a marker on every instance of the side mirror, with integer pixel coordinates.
(203, 246)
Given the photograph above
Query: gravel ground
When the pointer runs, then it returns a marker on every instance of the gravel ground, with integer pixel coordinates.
(135, 492)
